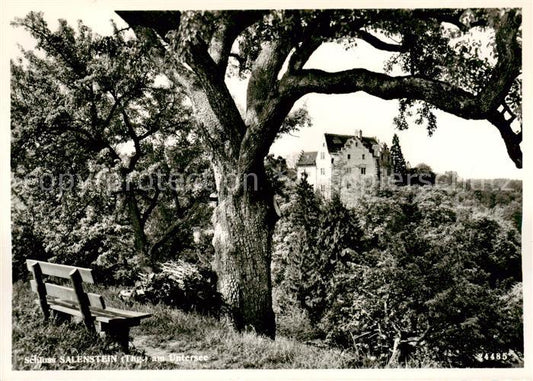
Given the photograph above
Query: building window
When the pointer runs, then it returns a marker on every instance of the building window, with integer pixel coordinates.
(363, 171)
(322, 188)
(322, 171)
(349, 156)
(348, 185)
(348, 170)
(363, 156)
(332, 160)
(322, 155)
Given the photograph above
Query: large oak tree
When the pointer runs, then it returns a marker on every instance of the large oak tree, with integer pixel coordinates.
(271, 48)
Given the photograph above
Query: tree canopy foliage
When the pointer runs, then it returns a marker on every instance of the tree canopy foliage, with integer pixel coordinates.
(463, 61)
(107, 166)
(410, 275)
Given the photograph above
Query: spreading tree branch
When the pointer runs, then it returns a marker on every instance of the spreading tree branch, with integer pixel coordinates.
(229, 25)
(380, 44)
(153, 203)
(215, 101)
(269, 100)
(450, 16)
(511, 139)
(509, 62)
(443, 95)
(161, 22)
(439, 93)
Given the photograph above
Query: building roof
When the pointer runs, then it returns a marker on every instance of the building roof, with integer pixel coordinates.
(307, 159)
(368, 143)
(336, 142)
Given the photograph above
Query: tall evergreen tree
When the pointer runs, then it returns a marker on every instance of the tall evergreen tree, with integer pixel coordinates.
(294, 241)
(399, 168)
(338, 240)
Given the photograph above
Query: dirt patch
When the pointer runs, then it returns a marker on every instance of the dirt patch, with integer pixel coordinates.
(177, 352)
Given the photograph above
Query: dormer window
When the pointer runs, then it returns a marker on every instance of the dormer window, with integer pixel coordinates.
(363, 157)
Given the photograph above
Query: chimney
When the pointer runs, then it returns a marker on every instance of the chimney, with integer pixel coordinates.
(359, 133)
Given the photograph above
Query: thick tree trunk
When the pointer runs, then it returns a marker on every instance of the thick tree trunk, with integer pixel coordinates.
(243, 226)
(140, 239)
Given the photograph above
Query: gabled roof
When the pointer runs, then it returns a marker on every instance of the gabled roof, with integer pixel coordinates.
(307, 159)
(368, 143)
(336, 142)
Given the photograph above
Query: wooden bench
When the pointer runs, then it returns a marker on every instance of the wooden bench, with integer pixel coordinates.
(74, 301)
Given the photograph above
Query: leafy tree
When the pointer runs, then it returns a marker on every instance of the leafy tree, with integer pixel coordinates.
(103, 152)
(338, 240)
(270, 48)
(435, 281)
(25, 241)
(280, 176)
(399, 168)
(421, 175)
(311, 239)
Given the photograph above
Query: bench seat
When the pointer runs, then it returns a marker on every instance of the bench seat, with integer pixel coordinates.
(108, 315)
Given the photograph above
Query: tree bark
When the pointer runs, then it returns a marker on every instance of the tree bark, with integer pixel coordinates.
(244, 222)
(140, 239)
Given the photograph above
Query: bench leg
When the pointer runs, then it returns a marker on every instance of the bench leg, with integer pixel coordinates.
(41, 290)
(118, 333)
(83, 301)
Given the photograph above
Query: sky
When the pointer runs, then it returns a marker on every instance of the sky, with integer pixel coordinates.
(474, 149)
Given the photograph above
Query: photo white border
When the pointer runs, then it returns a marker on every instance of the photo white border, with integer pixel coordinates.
(12, 8)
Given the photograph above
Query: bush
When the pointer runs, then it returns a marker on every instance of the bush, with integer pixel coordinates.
(25, 245)
(181, 285)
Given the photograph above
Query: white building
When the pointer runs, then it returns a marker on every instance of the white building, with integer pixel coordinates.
(345, 164)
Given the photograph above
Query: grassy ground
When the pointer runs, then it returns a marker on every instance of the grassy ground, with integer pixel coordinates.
(160, 342)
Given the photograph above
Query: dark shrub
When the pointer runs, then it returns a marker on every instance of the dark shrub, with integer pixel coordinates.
(182, 285)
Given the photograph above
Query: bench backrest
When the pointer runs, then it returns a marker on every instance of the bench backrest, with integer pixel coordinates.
(76, 294)
(61, 271)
